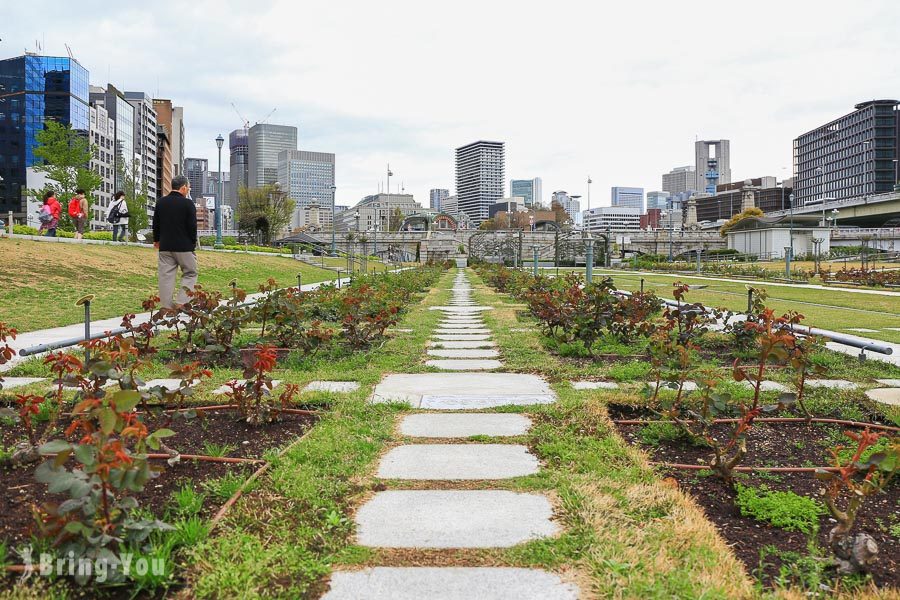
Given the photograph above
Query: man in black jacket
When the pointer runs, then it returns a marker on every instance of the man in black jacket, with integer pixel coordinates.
(175, 236)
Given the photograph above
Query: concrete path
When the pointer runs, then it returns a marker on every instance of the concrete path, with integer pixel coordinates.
(444, 517)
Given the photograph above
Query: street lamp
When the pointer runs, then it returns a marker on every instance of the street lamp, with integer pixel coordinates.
(375, 232)
(834, 217)
(821, 173)
(333, 224)
(219, 141)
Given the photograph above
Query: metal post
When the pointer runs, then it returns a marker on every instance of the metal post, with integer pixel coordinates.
(339, 279)
(9, 218)
(219, 194)
(333, 223)
(86, 302)
(699, 252)
(642, 285)
(589, 261)
(534, 252)
(788, 251)
(749, 300)
(299, 282)
(376, 231)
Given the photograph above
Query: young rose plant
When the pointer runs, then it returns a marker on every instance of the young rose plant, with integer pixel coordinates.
(254, 397)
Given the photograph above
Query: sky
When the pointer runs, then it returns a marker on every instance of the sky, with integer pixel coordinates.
(614, 91)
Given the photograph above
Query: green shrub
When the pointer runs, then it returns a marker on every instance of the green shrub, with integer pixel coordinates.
(786, 510)
(24, 230)
(630, 371)
(654, 434)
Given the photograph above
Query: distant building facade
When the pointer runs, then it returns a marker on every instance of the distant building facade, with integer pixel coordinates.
(197, 172)
(266, 142)
(437, 197)
(614, 218)
(680, 179)
(712, 164)
(628, 197)
(731, 198)
(238, 160)
(480, 173)
(529, 189)
(658, 200)
(103, 163)
(145, 144)
(377, 208)
(307, 177)
(122, 112)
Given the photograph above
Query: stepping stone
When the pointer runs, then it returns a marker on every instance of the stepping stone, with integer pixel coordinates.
(10, 383)
(168, 384)
(893, 328)
(461, 345)
(224, 389)
(889, 382)
(437, 462)
(835, 384)
(861, 330)
(481, 331)
(520, 330)
(453, 519)
(429, 425)
(594, 385)
(340, 387)
(398, 330)
(766, 386)
(454, 391)
(688, 386)
(462, 310)
(464, 364)
(889, 396)
(459, 337)
(464, 353)
(461, 325)
(449, 583)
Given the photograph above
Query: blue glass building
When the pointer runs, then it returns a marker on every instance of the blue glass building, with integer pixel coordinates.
(34, 89)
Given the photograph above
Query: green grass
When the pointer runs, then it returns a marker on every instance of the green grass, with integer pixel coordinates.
(783, 509)
(44, 280)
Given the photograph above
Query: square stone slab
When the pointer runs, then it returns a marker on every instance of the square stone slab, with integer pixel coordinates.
(169, 384)
(462, 310)
(889, 382)
(835, 384)
(436, 462)
(10, 383)
(481, 402)
(340, 387)
(464, 364)
(889, 396)
(766, 386)
(474, 390)
(453, 519)
(460, 337)
(594, 385)
(445, 325)
(462, 425)
(461, 345)
(449, 583)
(480, 331)
(464, 353)
(223, 389)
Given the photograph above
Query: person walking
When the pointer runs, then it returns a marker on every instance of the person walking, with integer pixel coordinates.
(49, 215)
(118, 216)
(175, 236)
(78, 210)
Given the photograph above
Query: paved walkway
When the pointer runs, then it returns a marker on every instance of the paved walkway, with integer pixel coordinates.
(445, 516)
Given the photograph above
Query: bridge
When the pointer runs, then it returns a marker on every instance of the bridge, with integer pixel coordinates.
(877, 210)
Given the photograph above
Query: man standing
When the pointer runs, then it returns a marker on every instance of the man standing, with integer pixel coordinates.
(175, 236)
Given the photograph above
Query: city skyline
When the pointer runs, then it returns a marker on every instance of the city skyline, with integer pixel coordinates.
(417, 138)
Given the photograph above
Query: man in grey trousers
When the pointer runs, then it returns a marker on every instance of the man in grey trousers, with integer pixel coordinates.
(175, 236)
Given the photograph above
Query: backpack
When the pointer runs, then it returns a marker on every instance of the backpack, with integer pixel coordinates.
(45, 216)
(113, 216)
(74, 207)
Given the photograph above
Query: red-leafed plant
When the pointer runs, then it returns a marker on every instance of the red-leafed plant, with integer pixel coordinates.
(850, 484)
(253, 397)
(366, 313)
(142, 334)
(6, 351)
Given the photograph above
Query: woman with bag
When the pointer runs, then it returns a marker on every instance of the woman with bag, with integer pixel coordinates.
(49, 215)
(118, 216)
(78, 210)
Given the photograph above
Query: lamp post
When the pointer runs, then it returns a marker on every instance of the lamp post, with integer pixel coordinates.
(219, 141)
(606, 261)
(834, 218)
(791, 223)
(821, 173)
(375, 233)
(589, 182)
(333, 224)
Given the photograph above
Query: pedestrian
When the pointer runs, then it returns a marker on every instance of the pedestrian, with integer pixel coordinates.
(49, 214)
(175, 236)
(78, 210)
(118, 216)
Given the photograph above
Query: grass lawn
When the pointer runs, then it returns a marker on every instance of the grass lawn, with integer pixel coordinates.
(44, 280)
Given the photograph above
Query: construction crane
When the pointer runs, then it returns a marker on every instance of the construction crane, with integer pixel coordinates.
(266, 118)
(241, 117)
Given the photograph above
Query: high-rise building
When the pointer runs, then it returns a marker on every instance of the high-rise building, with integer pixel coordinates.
(437, 197)
(103, 162)
(266, 142)
(171, 118)
(679, 180)
(145, 144)
(177, 141)
(307, 178)
(239, 154)
(850, 157)
(34, 89)
(197, 172)
(712, 165)
(480, 173)
(163, 160)
(450, 205)
(122, 112)
(658, 200)
(529, 189)
(630, 197)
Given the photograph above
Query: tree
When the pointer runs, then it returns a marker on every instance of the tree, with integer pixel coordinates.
(396, 219)
(65, 157)
(263, 213)
(560, 213)
(750, 212)
(135, 198)
(488, 225)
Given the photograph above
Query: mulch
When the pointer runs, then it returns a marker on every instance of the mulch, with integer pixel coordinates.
(770, 445)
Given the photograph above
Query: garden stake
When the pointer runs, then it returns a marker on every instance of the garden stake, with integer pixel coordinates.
(299, 282)
(749, 300)
(86, 302)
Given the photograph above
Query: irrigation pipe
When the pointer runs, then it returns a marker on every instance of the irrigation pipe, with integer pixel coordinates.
(204, 458)
(769, 420)
(746, 469)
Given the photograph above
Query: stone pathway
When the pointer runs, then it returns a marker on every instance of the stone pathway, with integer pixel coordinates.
(444, 516)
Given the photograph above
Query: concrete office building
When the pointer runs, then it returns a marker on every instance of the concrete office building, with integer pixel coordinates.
(266, 142)
(307, 178)
(238, 159)
(480, 173)
(197, 172)
(629, 197)
(658, 200)
(122, 112)
(437, 197)
(375, 208)
(614, 218)
(529, 189)
(145, 144)
(850, 157)
(177, 141)
(450, 205)
(103, 163)
(712, 164)
(163, 160)
(171, 119)
(731, 198)
(680, 179)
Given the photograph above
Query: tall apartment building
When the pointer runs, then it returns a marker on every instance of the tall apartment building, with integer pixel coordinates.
(34, 89)
(177, 141)
(145, 144)
(238, 157)
(123, 113)
(712, 165)
(437, 197)
(266, 142)
(679, 180)
(307, 178)
(163, 160)
(850, 157)
(197, 172)
(628, 197)
(171, 119)
(450, 205)
(480, 173)
(103, 163)
(658, 200)
(529, 189)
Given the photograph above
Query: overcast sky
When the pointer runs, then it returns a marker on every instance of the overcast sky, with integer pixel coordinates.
(573, 88)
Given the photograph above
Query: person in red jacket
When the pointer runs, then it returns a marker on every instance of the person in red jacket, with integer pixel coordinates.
(52, 208)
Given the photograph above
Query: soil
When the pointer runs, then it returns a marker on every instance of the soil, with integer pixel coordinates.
(769, 445)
